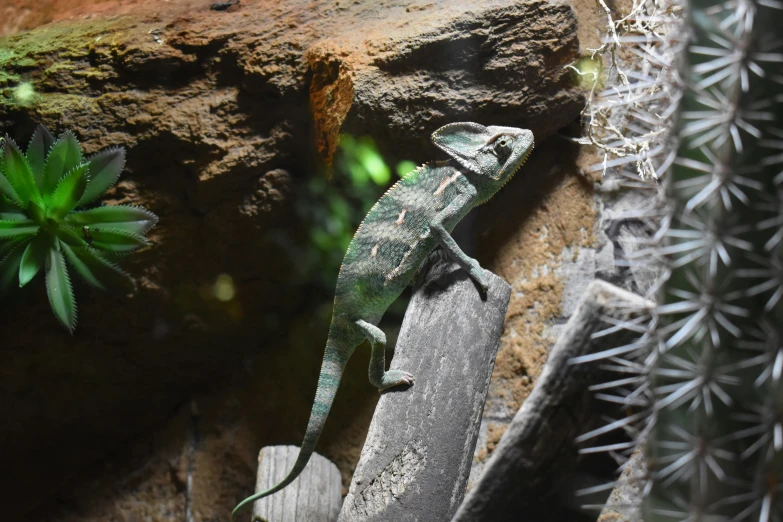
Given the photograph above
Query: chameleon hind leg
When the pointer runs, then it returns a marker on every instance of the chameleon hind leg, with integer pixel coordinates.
(378, 375)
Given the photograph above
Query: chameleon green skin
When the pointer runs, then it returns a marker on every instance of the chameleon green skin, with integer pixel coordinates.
(416, 215)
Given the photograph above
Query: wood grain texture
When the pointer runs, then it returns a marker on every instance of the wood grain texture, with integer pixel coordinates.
(315, 496)
(527, 477)
(625, 501)
(417, 457)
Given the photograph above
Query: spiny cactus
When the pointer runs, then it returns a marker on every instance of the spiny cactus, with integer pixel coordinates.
(714, 451)
(708, 399)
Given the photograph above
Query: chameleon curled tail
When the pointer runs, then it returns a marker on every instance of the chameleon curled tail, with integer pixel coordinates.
(331, 371)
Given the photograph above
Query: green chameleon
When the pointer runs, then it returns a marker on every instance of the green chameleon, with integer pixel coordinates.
(415, 215)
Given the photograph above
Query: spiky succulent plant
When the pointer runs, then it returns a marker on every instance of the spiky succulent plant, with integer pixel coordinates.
(41, 228)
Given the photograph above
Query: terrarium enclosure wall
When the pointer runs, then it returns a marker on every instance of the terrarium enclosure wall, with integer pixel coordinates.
(181, 180)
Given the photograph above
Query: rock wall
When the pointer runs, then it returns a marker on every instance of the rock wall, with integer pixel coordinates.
(222, 114)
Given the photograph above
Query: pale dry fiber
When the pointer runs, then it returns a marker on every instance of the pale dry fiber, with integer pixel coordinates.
(630, 108)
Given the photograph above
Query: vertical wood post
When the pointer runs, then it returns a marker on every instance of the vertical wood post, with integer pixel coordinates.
(417, 457)
(527, 478)
(314, 496)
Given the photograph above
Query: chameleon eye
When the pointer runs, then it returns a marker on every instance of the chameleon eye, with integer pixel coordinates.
(503, 143)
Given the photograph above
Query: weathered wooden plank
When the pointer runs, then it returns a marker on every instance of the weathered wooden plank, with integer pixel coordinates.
(625, 501)
(524, 480)
(315, 496)
(415, 462)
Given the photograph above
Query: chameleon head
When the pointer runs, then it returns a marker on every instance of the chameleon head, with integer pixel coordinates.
(493, 152)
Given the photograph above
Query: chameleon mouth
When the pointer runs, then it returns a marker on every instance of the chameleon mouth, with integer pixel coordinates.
(524, 158)
(519, 165)
(521, 162)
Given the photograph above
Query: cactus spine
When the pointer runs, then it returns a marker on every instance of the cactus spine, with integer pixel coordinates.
(715, 444)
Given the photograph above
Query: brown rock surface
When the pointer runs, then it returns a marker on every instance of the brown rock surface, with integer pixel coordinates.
(21, 15)
(222, 113)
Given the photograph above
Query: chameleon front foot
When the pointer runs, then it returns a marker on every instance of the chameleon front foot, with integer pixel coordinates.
(394, 378)
(480, 276)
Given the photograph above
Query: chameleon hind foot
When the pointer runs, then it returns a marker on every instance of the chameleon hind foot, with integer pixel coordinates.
(394, 378)
(480, 276)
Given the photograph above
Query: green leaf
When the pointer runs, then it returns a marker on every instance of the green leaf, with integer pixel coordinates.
(71, 236)
(10, 257)
(17, 171)
(116, 239)
(68, 192)
(133, 219)
(97, 271)
(404, 167)
(35, 213)
(105, 168)
(11, 213)
(373, 163)
(64, 156)
(59, 289)
(7, 246)
(17, 227)
(8, 190)
(8, 206)
(39, 146)
(34, 257)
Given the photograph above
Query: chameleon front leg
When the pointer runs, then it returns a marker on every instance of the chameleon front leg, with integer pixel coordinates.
(379, 377)
(464, 199)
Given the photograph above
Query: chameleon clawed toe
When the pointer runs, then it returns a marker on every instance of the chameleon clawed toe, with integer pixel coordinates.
(395, 378)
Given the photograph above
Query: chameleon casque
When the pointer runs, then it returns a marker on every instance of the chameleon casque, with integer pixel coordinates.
(408, 222)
